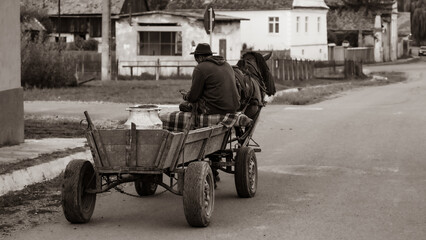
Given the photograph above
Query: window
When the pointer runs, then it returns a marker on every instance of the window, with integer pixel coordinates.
(297, 23)
(160, 43)
(306, 23)
(274, 24)
(319, 24)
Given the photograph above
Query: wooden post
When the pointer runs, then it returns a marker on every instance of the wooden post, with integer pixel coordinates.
(157, 70)
(285, 62)
(106, 36)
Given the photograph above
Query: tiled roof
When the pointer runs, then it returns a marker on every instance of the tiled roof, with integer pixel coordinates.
(350, 20)
(232, 5)
(309, 4)
(74, 7)
(334, 3)
(197, 14)
(32, 24)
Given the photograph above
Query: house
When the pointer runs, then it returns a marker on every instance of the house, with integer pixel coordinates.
(365, 26)
(83, 18)
(32, 26)
(296, 25)
(404, 33)
(11, 93)
(167, 38)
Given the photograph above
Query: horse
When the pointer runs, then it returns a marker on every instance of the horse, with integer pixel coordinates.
(254, 80)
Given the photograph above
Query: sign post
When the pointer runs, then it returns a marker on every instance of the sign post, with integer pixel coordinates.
(209, 22)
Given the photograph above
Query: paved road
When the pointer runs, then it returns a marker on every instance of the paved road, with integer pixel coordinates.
(352, 167)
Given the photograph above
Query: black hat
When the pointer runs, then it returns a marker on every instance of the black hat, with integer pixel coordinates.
(203, 49)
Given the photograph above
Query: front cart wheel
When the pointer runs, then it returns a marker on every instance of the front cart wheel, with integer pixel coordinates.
(198, 194)
(78, 205)
(246, 172)
(145, 188)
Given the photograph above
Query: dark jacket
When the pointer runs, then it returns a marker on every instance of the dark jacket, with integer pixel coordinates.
(213, 80)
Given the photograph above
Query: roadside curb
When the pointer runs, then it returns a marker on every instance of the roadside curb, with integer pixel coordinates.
(400, 61)
(18, 179)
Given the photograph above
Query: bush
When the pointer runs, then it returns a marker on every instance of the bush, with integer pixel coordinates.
(90, 45)
(44, 66)
(80, 44)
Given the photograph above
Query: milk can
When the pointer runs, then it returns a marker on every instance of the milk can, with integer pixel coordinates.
(145, 116)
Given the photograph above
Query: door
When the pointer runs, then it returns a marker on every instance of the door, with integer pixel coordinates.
(222, 48)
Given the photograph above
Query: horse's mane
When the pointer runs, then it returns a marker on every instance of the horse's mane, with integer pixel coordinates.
(261, 70)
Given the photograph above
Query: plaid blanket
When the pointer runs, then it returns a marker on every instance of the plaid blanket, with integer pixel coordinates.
(176, 121)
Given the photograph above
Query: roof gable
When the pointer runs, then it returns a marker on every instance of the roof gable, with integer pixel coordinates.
(404, 23)
(346, 19)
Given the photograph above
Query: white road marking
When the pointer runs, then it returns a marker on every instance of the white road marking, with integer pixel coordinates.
(308, 170)
(304, 108)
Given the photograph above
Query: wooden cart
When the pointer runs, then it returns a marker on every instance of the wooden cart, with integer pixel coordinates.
(189, 159)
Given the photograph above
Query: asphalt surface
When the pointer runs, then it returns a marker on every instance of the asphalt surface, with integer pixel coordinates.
(348, 168)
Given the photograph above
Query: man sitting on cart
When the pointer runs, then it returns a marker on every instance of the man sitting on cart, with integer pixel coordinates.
(213, 88)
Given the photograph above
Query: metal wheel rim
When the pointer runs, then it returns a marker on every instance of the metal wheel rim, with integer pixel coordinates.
(207, 195)
(152, 186)
(252, 174)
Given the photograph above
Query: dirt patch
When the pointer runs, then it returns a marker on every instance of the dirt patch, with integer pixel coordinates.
(36, 204)
(37, 127)
(10, 167)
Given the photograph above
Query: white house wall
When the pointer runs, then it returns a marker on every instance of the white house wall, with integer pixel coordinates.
(303, 45)
(310, 44)
(255, 31)
(192, 33)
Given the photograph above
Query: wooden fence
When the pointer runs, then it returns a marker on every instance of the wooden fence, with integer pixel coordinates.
(291, 69)
(362, 54)
(88, 65)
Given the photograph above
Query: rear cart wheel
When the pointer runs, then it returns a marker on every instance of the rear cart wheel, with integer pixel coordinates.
(145, 188)
(198, 194)
(78, 205)
(246, 172)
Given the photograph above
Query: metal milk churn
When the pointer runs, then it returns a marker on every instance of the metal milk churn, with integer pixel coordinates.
(145, 116)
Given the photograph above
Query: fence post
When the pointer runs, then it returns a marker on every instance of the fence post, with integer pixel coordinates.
(285, 69)
(116, 69)
(178, 69)
(305, 72)
(157, 70)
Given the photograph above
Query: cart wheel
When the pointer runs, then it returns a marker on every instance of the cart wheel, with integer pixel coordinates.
(198, 194)
(145, 188)
(77, 204)
(246, 172)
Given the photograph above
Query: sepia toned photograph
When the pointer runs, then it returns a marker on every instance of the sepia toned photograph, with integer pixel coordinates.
(213, 119)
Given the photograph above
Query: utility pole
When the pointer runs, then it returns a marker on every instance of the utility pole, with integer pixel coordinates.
(106, 40)
(58, 26)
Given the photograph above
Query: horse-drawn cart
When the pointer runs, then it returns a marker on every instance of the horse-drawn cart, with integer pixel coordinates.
(143, 156)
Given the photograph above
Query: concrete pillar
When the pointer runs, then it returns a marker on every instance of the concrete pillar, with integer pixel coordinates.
(378, 38)
(394, 33)
(11, 93)
(106, 36)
